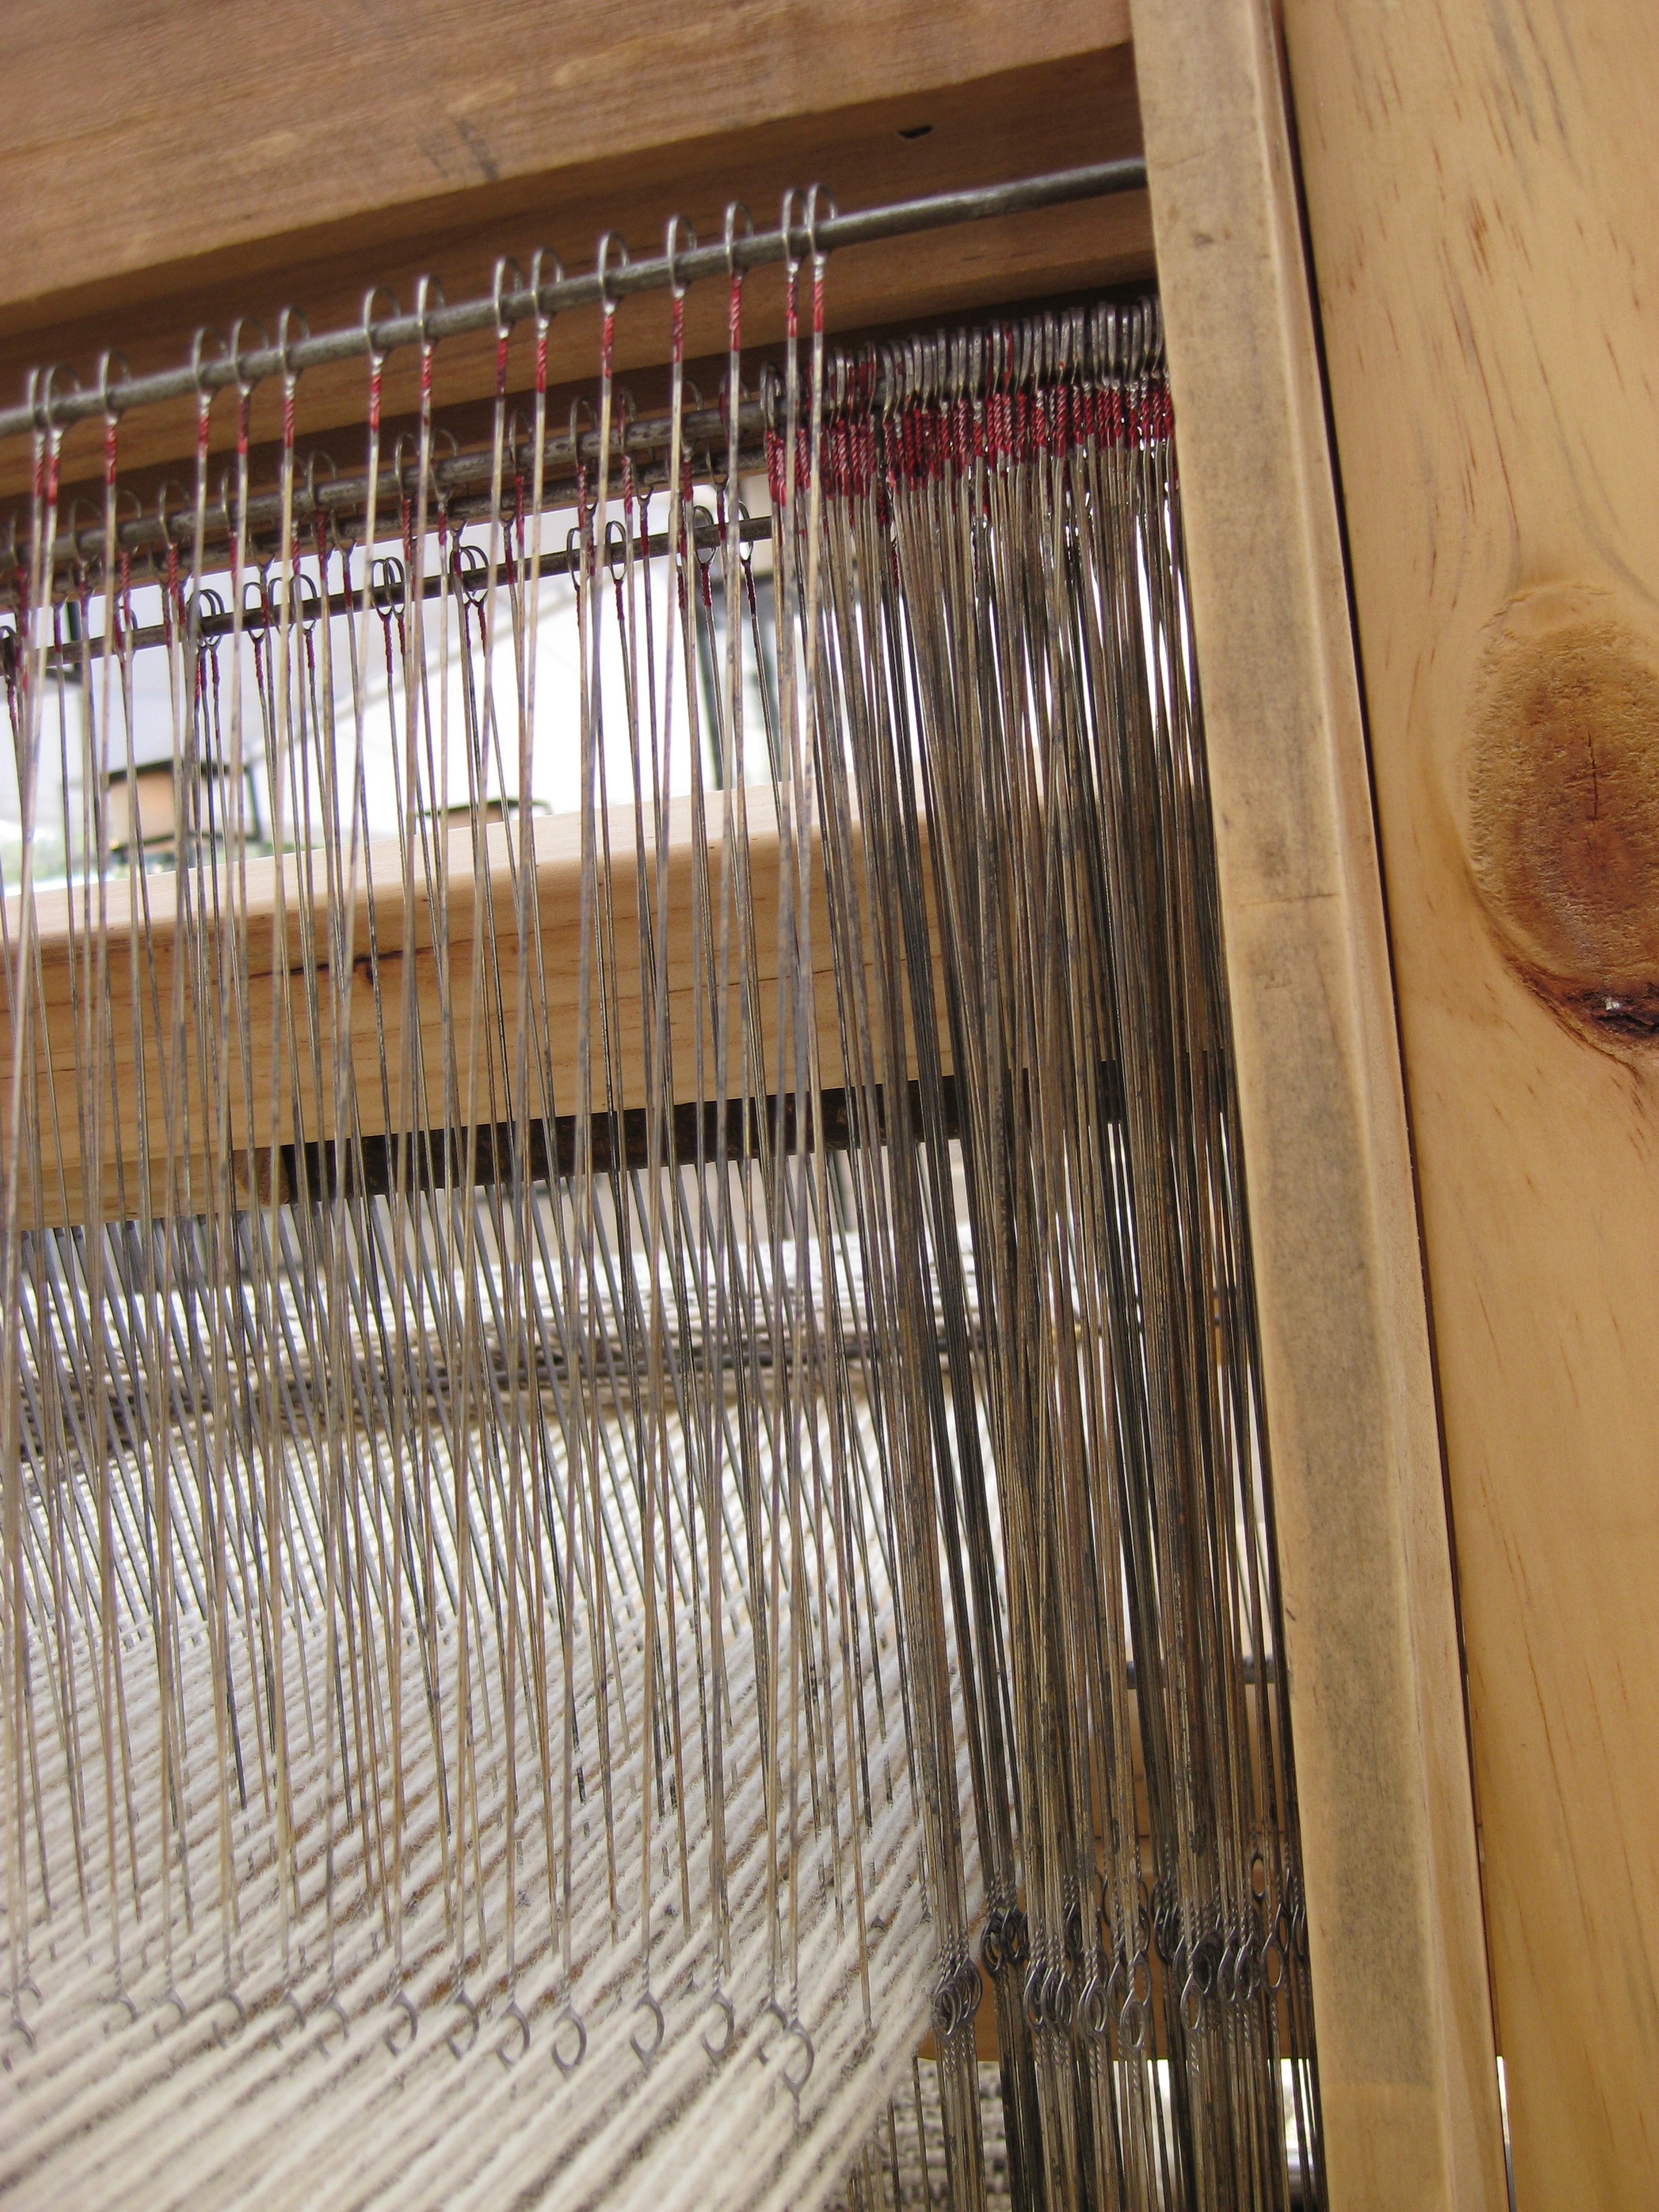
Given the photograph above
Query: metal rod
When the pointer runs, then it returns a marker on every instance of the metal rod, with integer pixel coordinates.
(904, 218)
(65, 660)
(461, 479)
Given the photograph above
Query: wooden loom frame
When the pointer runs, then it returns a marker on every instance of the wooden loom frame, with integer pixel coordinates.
(1445, 115)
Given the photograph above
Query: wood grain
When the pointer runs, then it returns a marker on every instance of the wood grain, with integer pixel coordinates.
(158, 135)
(1479, 186)
(260, 1104)
(609, 134)
(1408, 2079)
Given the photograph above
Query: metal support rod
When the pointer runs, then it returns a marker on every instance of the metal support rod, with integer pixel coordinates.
(385, 596)
(462, 480)
(904, 218)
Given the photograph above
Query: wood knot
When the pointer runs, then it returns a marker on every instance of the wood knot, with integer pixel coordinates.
(1562, 809)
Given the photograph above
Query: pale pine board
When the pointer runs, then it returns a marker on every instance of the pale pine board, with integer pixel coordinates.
(1480, 185)
(1402, 2016)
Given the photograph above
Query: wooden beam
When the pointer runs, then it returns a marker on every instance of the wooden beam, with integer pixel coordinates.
(139, 146)
(1488, 271)
(259, 1108)
(255, 194)
(1407, 2080)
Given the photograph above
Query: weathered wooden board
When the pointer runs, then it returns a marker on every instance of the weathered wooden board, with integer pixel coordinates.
(473, 977)
(1480, 188)
(1407, 2079)
(371, 146)
(138, 142)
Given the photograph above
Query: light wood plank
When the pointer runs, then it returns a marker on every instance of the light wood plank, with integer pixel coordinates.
(1407, 2080)
(230, 206)
(141, 139)
(262, 1106)
(1480, 190)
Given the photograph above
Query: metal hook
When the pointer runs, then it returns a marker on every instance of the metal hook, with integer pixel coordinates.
(779, 2014)
(721, 2003)
(615, 550)
(244, 384)
(408, 444)
(471, 572)
(646, 2003)
(377, 352)
(795, 2084)
(227, 1995)
(402, 2007)
(169, 1997)
(285, 344)
(425, 291)
(47, 398)
(605, 273)
(105, 361)
(310, 599)
(543, 312)
(734, 209)
(786, 227)
(503, 320)
(471, 2012)
(331, 2003)
(677, 288)
(514, 2018)
(815, 245)
(386, 585)
(569, 2018)
(312, 458)
(199, 367)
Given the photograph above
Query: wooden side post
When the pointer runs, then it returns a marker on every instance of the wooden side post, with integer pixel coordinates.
(1480, 185)
(1401, 2013)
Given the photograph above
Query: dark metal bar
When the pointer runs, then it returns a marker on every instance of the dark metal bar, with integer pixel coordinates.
(904, 218)
(752, 530)
(461, 479)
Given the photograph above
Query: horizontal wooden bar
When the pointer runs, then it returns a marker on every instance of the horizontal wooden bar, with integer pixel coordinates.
(995, 97)
(252, 1020)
